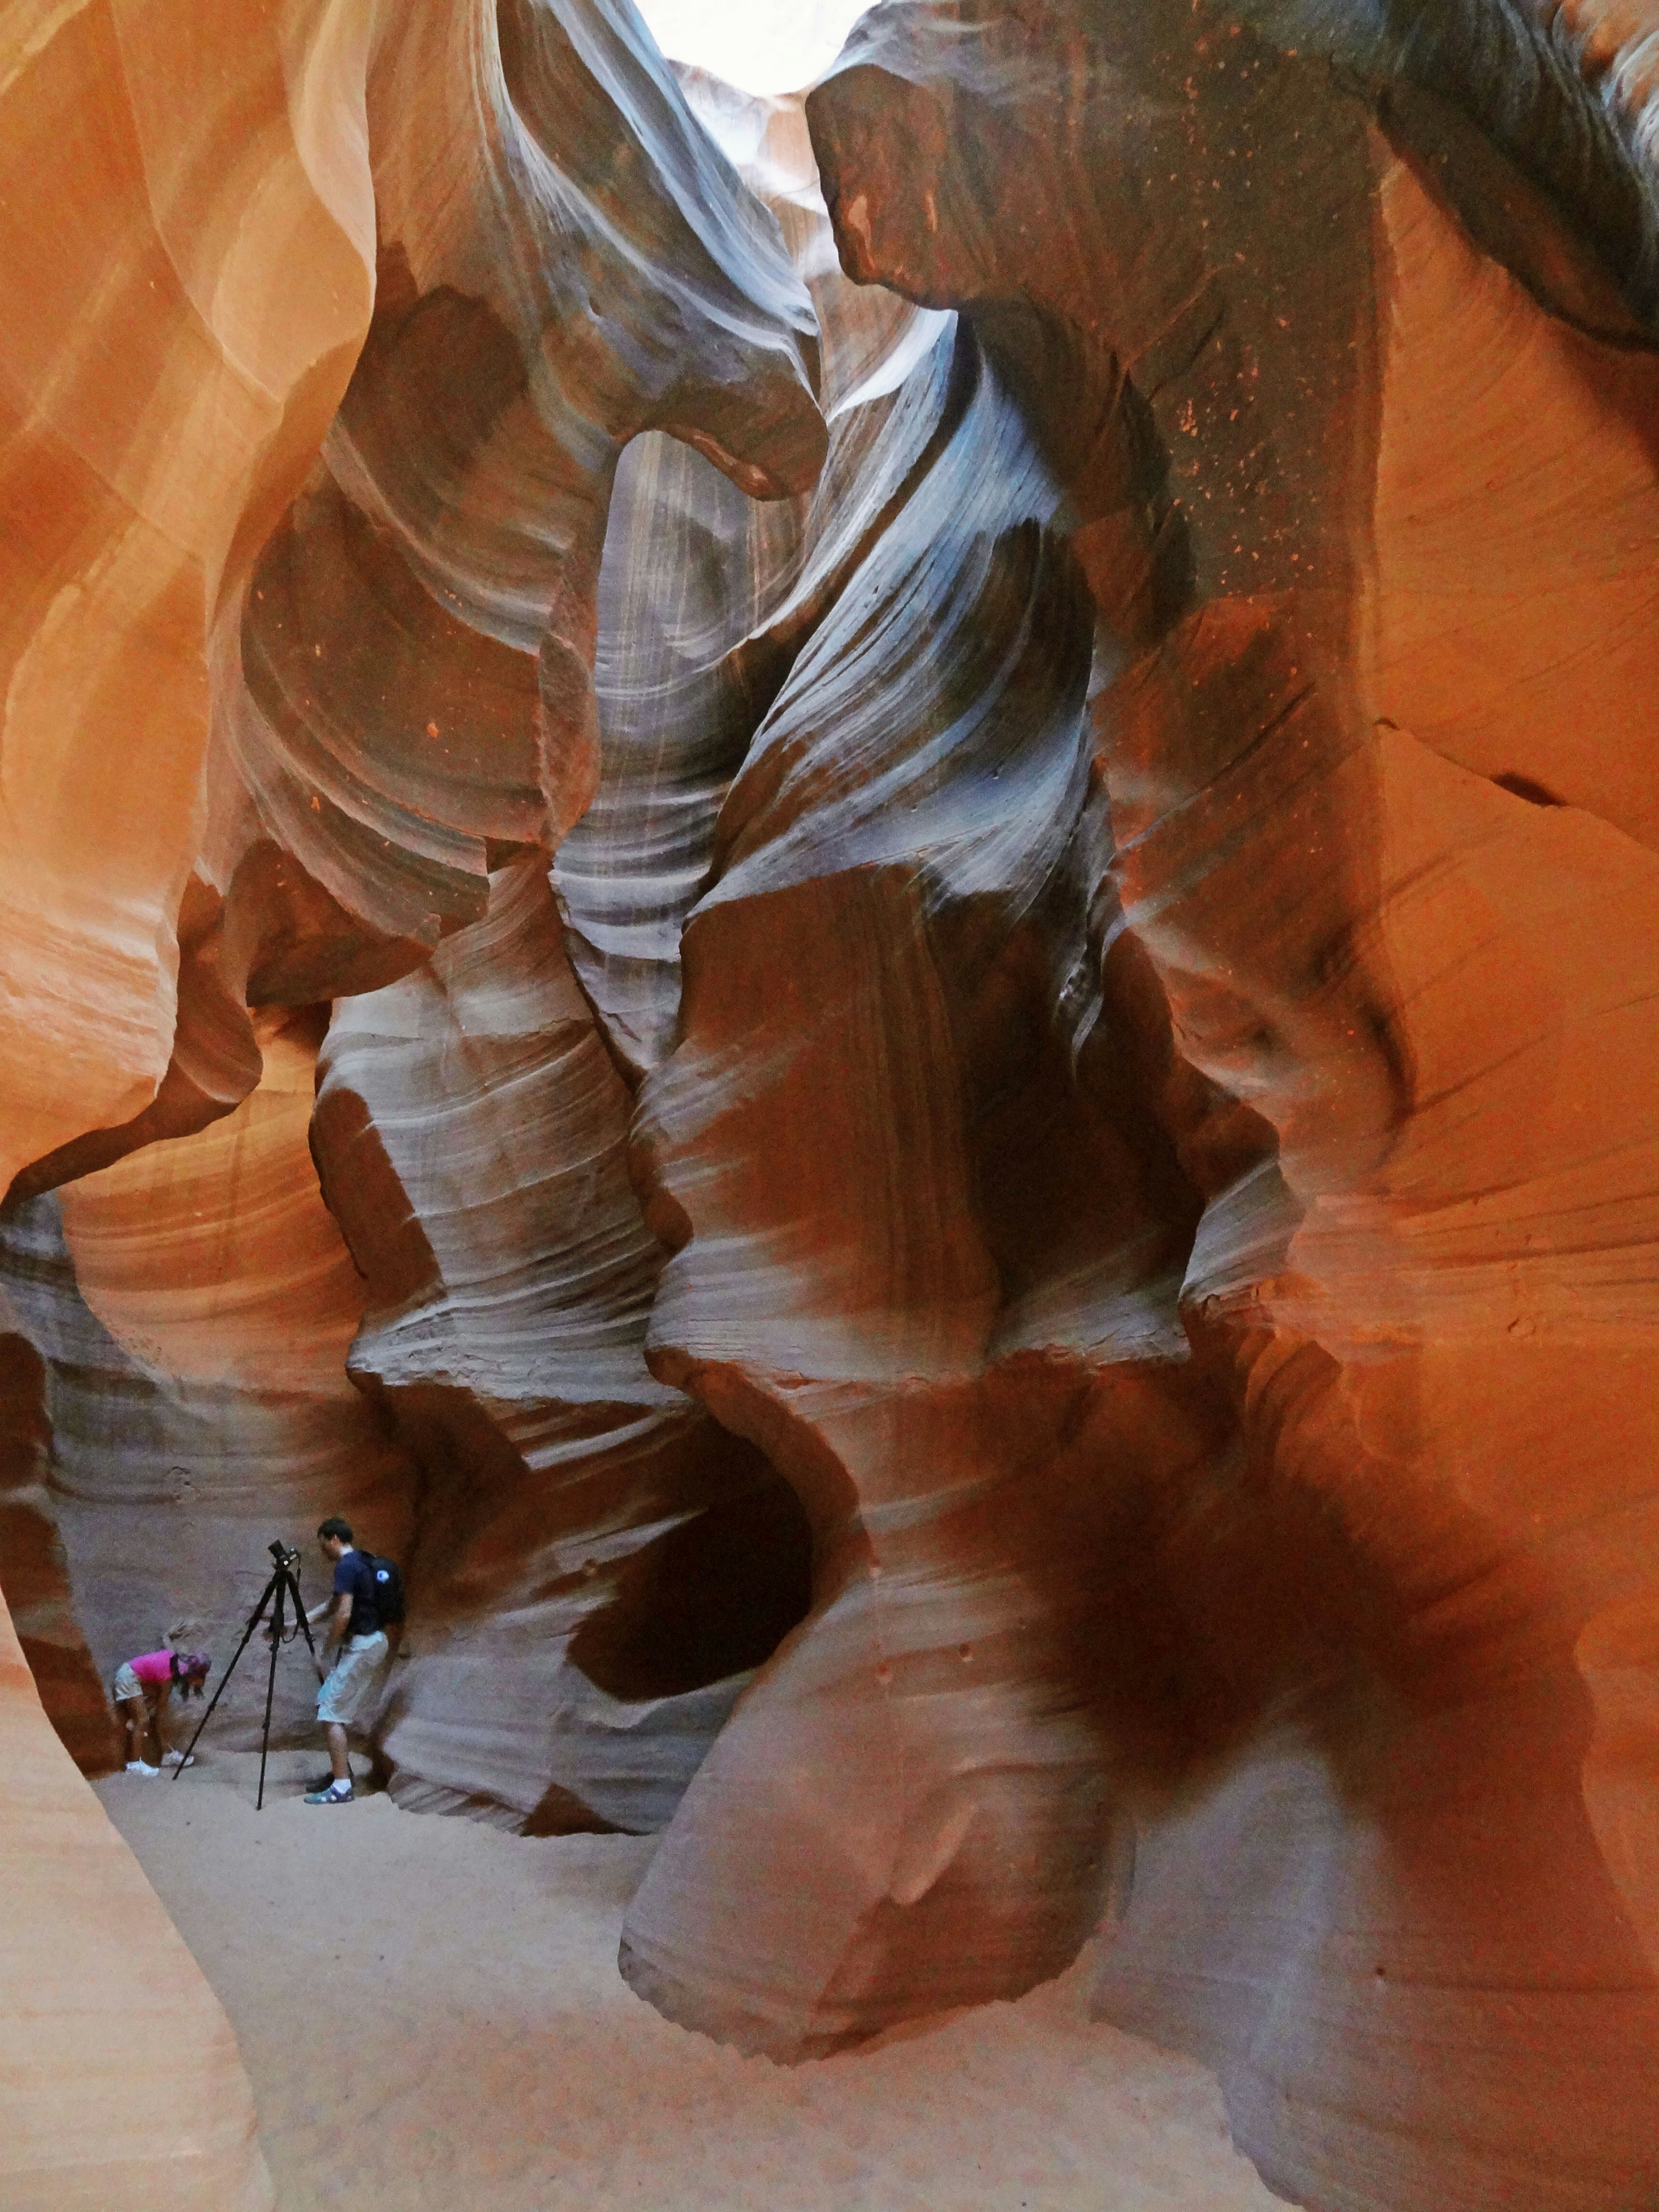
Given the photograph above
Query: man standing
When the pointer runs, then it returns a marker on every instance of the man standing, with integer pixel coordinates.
(360, 1647)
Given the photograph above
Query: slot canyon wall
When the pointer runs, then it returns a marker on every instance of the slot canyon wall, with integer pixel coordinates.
(857, 899)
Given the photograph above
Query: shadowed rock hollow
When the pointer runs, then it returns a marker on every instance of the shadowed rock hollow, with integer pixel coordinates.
(859, 898)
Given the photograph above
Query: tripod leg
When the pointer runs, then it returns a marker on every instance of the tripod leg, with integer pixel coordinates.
(224, 1680)
(300, 1612)
(270, 1683)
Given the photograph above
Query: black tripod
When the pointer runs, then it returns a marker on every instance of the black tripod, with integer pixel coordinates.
(284, 1588)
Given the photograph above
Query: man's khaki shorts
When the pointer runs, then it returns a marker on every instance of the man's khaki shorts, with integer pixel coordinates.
(351, 1680)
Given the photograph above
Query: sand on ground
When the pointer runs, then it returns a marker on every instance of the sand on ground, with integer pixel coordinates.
(431, 2015)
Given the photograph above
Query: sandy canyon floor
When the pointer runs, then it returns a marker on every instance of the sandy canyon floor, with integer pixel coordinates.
(432, 2018)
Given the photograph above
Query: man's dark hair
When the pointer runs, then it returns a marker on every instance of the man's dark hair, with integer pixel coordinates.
(335, 1526)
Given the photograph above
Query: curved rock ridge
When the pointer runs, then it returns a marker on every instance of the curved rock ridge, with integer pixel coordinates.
(214, 1062)
(705, 598)
(1390, 1001)
(892, 892)
(400, 693)
(416, 642)
(597, 1565)
(1565, 89)
(690, 566)
(156, 418)
(193, 1305)
(193, 1397)
(883, 983)
(228, 205)
(35, 1576)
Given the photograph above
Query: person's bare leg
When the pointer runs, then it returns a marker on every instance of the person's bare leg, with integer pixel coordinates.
(137, 1715)
(338, 1757)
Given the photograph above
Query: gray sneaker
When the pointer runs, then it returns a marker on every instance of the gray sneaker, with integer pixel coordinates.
(330, 1796)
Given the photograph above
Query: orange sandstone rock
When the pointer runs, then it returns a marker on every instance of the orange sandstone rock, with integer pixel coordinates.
(595, 1566)
(195, 1313)
(1340, 473)
(1095, 1024)
(157, 411)
(271, 717)
(123, 2082)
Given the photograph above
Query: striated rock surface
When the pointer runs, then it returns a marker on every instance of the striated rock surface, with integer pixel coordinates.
(34, 1578)
(1390, 999)
(965, 874)
(156, 416)
(261, 750)
(596, 1565)
(894, 898)
(704, 600)
(395, 671)
(415, 697)
(158, 409)
(350, 709)
(193, 1306)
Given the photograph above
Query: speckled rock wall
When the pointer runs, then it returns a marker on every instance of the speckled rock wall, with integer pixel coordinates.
(1381, 923)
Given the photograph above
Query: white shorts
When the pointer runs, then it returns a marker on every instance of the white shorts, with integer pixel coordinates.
(127, 1684)
(351, 1679)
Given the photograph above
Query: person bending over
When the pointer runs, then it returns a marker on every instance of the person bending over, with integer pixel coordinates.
(360, 1649)
(144, 1686)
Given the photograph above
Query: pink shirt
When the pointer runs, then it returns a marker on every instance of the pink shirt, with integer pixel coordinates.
(153, 1670)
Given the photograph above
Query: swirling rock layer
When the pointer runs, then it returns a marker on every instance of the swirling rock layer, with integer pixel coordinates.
(193, 1305)
(272, 714)
(1397, 1746)
(596, 1565)
(967, 874)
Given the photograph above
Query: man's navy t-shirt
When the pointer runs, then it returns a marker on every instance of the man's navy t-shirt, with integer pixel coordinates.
(354, 1577)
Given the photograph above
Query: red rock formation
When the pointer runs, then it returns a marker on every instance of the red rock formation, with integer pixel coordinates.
(194, 1312)
(267, 750)
(404, 683)
(705, 598)
(1105, 933)
(1392, 1015)
(122, 2084)
(415, 698)
(893, 877)
(162, 183)
(396, 666)
(596, 1566)
(33, 1572)
(157, 415)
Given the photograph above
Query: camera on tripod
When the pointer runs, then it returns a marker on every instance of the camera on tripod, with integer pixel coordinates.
(281, 1595)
